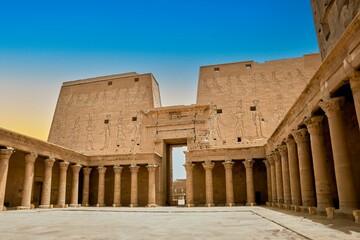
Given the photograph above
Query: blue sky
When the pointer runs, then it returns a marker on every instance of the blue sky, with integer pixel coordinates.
(44, 43)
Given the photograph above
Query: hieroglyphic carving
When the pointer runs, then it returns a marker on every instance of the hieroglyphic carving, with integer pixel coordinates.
(75, 133)
(257, 119)
(275, 80)
(213, 85)
(89, 134)
(289, 80)
(137, 132)
(106, 132)
(238, 116)
(300, 76)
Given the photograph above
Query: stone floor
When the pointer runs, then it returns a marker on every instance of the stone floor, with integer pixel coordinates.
(164, 223)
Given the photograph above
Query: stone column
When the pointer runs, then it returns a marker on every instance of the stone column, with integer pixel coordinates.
(250, 193)
(28, 180)
(63, 166)
(355, 88)
(294, 172)
(75, 185)
(343, 172)
(209, 166)
(321, 169)
(279, 180)
(152, 185)
(305, 167)
(86, 186)
(273, 180)
(5, 155)
(268, 179)
(117, 186)
(134, 169)
(285, 174)
(189, 184)
(228, 165)
(46, 187)
(101, 187)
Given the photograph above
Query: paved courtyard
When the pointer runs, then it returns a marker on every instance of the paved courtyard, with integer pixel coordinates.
(163, 223)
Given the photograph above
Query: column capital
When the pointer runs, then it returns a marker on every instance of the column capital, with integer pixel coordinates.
(276, 156)
(301, 135)
(76, 168)
(5, 154)
(282, 150)
(117, 169)
(290, 141)
(64, 165)
(134, 168)
(332, 106)
(152, 167)
(31, 157)
(101, 169)
(228, 164)
(248, 163)
(189, 166)
(314, 125)
(267, 163)
(49, 162)
(270, 158)
(86, 171)
(208, 165)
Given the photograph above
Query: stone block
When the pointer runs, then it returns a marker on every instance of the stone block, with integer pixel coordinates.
(330, 212)
(356, 214)
(312, 210)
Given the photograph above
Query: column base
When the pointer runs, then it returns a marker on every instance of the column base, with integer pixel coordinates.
(100, 205)
(85, 205)
(133, 205)
(312, 210)
(287, 206)
(356, 214)
(251, 204)
(209, 205)
(23, 207)
(46, 206)
(268, 204)
(116, 205)
(273, 204)
(230, 204)
(330, 212)
(62, 206)
(190, 205)
(75, 205)
(152, 205)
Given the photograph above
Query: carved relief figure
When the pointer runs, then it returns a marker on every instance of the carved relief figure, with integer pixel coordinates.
(214, 120)
(279, 113)
(213, 85)
(229, 84)
(89, 134)
(106, 132)
(289, 80)
(120, 137)
(75, 131)
(238, 116)
(136, 137)
(301, 76)
(257, 119)
(275, 80)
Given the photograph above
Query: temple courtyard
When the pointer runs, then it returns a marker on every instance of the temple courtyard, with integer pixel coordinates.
(171, 223)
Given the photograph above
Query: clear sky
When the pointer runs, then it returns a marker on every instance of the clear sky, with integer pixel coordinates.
(44, 43)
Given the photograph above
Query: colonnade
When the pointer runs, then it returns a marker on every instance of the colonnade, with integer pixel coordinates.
(229, 186)
(300, 171)
(45, 201)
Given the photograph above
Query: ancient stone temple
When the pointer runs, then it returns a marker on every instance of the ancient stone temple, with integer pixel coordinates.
(282, 132)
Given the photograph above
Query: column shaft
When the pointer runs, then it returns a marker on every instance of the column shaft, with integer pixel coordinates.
(75, 185)
(305, 167)
(294, 172)
(152, 185)
(250, 193)
(343, 172)
(321, 170)
(28, 180)
(86, 186)
(134, 185)
(189, 184)
(117, 186)
(46, 187)
(268, 179)
(5, 155)
(101, 187)
(355, 88)
(273, 179)
(229, 186)
(209, 192)
(62, 183)
(285, 173)
(279, 180)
